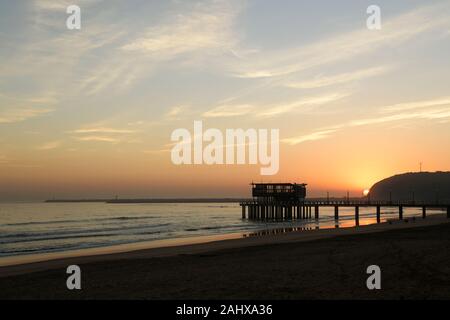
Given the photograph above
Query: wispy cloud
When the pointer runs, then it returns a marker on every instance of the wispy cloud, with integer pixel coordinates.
(101, 130)
(204, 30)
(49, 145)
(318, 135)
(229, 111)
(156, 152)
(208, 26)
(417, 105)
(20, 108)
(272, 110)
(98, 138)
(59, 5)
(345, 46)
(430, 114)
(11, 115)
(305, 102)
(324, 81)
(175, 112)
(433, 111)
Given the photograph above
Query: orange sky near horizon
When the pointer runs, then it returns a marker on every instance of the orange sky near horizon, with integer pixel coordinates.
(340, 164)
(89, 113)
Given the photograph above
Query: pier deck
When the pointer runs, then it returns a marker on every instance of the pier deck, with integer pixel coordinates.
(303, 209)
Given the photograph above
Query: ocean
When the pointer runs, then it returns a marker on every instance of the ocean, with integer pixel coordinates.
(34, 228)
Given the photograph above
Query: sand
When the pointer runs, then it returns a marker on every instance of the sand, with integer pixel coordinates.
(414, 257)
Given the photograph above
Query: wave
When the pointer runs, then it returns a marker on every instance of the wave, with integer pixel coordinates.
(57, 235)
(78, 221)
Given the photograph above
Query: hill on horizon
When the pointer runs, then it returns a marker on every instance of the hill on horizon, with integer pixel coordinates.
(419, 186)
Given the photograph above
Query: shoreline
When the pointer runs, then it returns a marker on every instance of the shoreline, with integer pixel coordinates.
(171, 242)
(17, 265)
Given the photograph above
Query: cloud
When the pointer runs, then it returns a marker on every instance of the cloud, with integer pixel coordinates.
(12, 115)
(229, 111)
(294, 106)
(175, 112)
(59, 5)
(49, 145)
(98, 139)
(438, 113)
(52, 5)
(318, 135)
(203, 31)
(321, 81)
(155, 152)
(345, 46)
(101, 130)
(208, 26)
(417, 105)
(20, 108)
(427, 115)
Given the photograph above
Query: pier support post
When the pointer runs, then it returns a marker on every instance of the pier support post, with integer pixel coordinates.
(424, 212)
(243, 211)
(316, 212)
(357, 215)
(336, 213)
(400, 212)
(378, 214)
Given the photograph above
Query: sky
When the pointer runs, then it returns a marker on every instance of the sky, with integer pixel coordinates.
(89, 113)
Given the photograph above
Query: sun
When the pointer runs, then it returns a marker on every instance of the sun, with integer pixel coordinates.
(366, 192)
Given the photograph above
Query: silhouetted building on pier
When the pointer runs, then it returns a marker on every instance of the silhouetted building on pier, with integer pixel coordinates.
(278, 192)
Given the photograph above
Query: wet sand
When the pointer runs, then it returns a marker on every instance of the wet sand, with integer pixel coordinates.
(414, 257)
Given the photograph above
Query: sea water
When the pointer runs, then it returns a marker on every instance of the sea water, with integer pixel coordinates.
(33, 228)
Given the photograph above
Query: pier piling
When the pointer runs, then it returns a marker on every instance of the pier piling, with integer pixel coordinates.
(303, 210)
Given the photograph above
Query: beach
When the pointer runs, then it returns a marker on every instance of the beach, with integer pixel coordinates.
(414, 258)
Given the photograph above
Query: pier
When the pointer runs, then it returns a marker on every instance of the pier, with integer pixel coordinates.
(285, 201)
